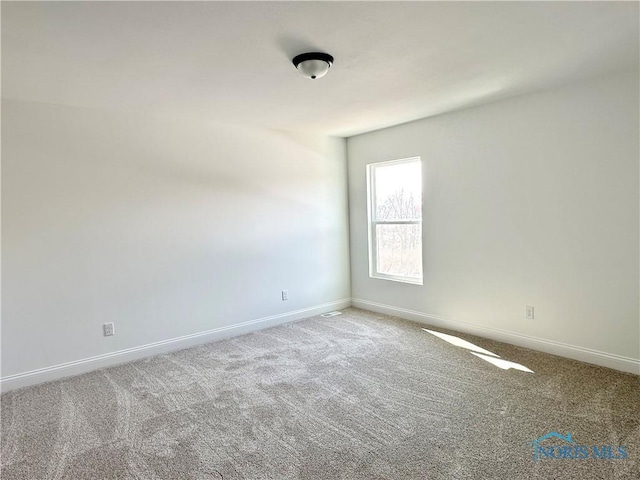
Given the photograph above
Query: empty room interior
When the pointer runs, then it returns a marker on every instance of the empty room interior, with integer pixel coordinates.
(320, 240)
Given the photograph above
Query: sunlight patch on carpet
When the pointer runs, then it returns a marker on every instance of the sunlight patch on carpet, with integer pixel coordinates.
(503, 364)
(459, 342)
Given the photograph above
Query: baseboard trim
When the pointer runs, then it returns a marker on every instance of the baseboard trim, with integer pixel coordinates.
(616, 362)
(55, 372)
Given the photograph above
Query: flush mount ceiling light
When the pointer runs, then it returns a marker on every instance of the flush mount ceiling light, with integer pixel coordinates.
(313, 65)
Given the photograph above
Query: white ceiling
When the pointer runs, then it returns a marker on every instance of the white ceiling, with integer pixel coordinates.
(230, 61)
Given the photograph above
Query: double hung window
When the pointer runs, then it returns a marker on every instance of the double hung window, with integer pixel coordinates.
(395, 220)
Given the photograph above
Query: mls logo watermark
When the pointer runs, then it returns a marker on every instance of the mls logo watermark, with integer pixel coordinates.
(569, 449)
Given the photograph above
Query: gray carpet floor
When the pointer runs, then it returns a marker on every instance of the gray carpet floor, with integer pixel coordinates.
(356, 396)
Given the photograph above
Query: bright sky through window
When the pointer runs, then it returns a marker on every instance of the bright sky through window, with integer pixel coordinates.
(390, 181)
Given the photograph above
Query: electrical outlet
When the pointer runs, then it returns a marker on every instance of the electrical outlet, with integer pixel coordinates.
(108, 329)
(285, 295)
(529, 312)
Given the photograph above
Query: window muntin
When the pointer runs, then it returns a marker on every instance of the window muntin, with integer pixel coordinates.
(395, 220)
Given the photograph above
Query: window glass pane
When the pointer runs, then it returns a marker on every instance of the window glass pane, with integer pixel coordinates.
(398, 191)
(399, 250)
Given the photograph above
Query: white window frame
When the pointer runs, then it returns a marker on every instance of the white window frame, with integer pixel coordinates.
(372, 222)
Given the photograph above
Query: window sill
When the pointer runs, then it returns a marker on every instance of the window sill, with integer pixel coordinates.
(411, 281)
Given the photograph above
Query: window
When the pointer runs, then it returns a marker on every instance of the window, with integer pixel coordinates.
(395, 220)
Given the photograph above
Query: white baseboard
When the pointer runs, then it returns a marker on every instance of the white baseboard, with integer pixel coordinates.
(617, 362)
(76, 367)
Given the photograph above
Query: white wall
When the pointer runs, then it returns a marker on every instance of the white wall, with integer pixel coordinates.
(165, 227)
(533, 200)
(170, 227)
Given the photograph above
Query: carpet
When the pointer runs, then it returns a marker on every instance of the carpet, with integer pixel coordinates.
(356, 396)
